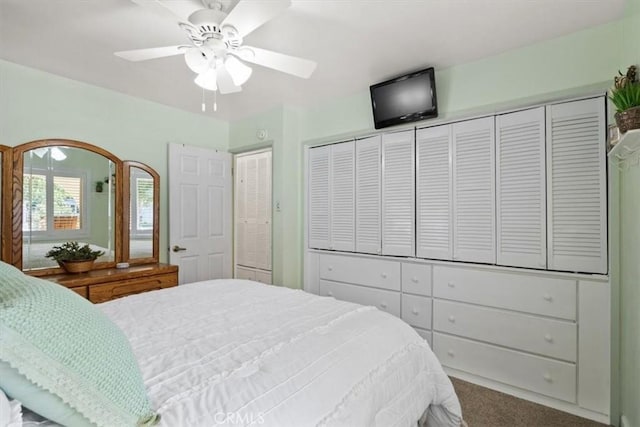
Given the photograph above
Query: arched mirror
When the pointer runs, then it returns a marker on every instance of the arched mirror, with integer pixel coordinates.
(142, 213)
(63, 191)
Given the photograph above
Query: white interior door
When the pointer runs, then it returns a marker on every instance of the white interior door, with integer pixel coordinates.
(199, 212)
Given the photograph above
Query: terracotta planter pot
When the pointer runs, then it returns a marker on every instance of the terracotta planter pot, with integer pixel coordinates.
(77, 266)
(628, 119)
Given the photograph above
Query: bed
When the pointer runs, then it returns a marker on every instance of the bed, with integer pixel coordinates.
(236, 352)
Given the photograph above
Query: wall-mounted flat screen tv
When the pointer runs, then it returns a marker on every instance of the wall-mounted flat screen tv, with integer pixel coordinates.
(404, 99)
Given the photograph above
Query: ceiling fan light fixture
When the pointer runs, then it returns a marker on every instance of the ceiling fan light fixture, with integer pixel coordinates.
(196, 60)
(208, 80)
(238, 71)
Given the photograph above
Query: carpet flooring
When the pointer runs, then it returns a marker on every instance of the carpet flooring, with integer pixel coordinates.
(482, 407)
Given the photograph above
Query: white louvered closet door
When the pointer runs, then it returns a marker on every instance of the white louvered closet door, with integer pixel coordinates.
(263, 211)
(368, 195)
(434, 196)
(240, 212)
(398, 197)
(318, 197)
(474, 191)
(520, 189)
(576, 186)
(342, 195)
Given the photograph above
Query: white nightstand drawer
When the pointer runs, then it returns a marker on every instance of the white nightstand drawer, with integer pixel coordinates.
(416, 279)
(524, 292)
(534, 373)
(361, 271)
(388, 301)
(548, 337)
(416, 311)
(425, 334)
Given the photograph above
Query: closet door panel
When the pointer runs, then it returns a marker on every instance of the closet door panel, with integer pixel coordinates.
(520, 189)
(342, 196)
(368, 192)
(434, 197)
(576, 186)
(240, 211)
(474, 190)
(263, 211)
(318, 197)
(398, 197)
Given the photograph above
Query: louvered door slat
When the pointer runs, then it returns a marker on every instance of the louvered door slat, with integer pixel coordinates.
(520, 189)
(474, 191)
(342, 195)
(318, 197)
(368, 194)
(434, 237)
(398, 196)
(576, 186)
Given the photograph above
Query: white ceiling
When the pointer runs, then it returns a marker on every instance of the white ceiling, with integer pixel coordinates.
(356, 43)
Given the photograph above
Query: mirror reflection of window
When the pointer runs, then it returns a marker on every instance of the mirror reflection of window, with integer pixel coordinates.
(141, 218)
(61, 204)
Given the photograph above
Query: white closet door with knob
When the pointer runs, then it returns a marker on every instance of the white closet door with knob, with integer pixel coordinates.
(398, 196)
(342, 196)
(521, 194)
(318, 201)
(263, 211)
(474, 191)
(434, 196)
(368, 195)
(576, 186)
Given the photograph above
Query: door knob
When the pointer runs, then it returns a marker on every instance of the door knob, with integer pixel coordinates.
(177, 248)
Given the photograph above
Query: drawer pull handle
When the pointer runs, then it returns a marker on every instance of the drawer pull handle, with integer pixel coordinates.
(383, 305)
(450, 353)
(415, 280)
(330, 293)
(384, 275)
(330, 268)
(415, 311)
(548, 378)
(451, 285)
(547, 297)
(548, 338)
(452, 319)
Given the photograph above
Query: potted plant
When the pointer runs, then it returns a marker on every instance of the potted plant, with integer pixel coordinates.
(625, 95)
(73, 257)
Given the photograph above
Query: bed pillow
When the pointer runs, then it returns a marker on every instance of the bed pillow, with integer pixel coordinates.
(56, 342)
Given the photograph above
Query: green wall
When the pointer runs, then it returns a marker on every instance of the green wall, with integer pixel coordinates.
(36, 105)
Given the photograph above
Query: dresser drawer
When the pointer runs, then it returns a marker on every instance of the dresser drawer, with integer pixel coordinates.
(388, 301)
(416, 311)
(416, 279)
(520, 292)
(106, 292)
(361, 271)
(245, 273)
(80, 290)
(538, 374)
(548, 337)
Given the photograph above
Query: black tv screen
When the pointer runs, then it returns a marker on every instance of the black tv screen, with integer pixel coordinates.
(404, 99)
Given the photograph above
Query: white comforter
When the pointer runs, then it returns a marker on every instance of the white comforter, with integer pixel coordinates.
(235, 352)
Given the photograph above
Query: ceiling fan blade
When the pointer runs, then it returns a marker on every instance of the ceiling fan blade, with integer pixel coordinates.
(293, 65)
(225, 82)
(246, 16)
(167, 8)
(151, 53)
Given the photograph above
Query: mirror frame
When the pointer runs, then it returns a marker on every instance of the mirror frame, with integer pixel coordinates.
(16, 197)
(6, 204)
(126, 196)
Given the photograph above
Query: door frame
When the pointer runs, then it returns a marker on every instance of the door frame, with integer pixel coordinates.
(234, 166)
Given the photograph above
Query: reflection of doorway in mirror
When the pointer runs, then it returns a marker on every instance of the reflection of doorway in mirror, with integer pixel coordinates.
(141, 217)
(253, 206)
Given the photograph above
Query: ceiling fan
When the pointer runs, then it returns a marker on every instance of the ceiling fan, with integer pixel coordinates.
(216, 52)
